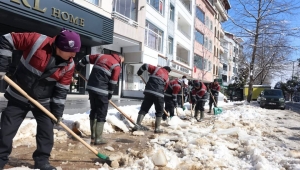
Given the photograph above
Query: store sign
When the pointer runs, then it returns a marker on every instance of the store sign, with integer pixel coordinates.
(180, 68)
(57, 13)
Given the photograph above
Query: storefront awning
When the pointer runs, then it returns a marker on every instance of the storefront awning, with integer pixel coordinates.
(49, 16)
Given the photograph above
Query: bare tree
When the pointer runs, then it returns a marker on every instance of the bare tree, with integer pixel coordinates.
(252, 18)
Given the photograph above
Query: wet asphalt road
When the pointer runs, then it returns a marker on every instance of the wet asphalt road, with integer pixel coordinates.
(81, 105)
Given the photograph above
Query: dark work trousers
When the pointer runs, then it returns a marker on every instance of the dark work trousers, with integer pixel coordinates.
(179, 100)
(151, 99)
(169, 106)
(99, 106)
(211, 101)
(11, 119)
(200, 105)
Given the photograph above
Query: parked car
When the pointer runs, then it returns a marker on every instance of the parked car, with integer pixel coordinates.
(272, 98)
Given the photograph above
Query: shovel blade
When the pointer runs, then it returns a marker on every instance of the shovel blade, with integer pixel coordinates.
(217, 110)
(140, 128)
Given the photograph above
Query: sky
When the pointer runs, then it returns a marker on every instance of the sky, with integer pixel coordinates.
(292, 20)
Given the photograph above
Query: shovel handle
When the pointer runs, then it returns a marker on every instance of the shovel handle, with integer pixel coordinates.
(15, 86)
(145, 83)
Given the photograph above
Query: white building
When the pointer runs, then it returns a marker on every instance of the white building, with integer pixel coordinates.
(232, 50)
(168, 40)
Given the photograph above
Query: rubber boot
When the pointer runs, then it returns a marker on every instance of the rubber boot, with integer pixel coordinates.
(138, 122)
(201, 116)
(196, 114)
(45, 166)
(98, 134)
(209, 111)
(93, 129)
(157, 125)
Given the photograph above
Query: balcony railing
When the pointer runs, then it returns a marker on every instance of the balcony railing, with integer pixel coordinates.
(161, 61)
(182, 60)
(187, 6)
(124, 18)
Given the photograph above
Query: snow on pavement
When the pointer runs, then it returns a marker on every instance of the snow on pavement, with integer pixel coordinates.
(243, 137)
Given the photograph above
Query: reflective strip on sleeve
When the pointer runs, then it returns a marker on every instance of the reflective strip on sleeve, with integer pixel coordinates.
(8, 37)
(5, 52)
(62, 86)
(58, 101)
(113, 82)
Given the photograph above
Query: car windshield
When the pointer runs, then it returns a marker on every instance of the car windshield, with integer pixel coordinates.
(273, 92)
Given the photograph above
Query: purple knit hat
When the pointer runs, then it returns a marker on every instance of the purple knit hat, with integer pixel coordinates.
(68, 41)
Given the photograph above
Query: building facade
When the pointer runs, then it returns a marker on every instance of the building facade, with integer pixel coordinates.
(168, 32)
(48, 18)
(233, 49)
(210, 14)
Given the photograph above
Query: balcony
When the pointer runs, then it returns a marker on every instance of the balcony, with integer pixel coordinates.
(187, 5)
(184, 27)
(222, 10)
(161, 61)
(123, 18)
(182, 55)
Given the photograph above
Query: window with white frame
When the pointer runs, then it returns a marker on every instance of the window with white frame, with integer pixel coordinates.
(170, 45)
(172, 12)
(199, 37)
(205, 64)
(158, 5)
(200, 15)
(95, 2)
(206, 42)
(211, 27)
(153, 37)
(127, 8)
(198, 61)
(207, 21)
(209, 65)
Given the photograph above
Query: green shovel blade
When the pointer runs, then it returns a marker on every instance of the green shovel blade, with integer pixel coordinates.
(217, 110)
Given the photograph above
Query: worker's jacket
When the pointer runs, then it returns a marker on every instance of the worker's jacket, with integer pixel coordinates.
(41, 73)
(158, 80)
(105, 73)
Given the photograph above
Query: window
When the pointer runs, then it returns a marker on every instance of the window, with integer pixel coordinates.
(170, 46)
(200, 15)
(126, 8)
(210, 45)
(209, 65)
(95, 2)
(153, 37)
(234, 70)
(206, 42)
(205, 64)
(199, 37)
(211, 27)
(207, 21)
(172, 12)
(199, 62)
(157, 4)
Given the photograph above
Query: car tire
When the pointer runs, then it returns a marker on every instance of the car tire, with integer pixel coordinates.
(282, 108)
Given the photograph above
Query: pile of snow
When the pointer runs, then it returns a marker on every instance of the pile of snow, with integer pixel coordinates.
(243, 137)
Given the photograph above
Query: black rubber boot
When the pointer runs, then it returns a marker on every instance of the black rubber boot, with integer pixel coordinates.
(196, 114)
(201, 116)
(138, 125)
(157, 125)
(98, 134)
(46, 166)
(93, 129)
(209, 111)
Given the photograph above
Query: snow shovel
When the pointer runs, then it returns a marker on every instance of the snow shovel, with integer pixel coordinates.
(164, 109)
(217, 110)
(144, 128)
(15, 86)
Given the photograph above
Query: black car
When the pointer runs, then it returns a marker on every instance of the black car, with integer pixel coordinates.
(272, 98)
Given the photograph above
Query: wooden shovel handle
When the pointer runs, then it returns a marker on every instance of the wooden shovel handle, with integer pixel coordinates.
(15, 86)
(164, 109)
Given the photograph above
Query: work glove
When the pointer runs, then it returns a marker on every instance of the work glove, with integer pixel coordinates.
(59, 119)
(79, 66)
(139, 72)
(109, 96)
(2, 74)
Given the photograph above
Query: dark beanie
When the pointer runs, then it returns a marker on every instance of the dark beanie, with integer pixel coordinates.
(197, 84)
(167, 68)
(68, 41)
